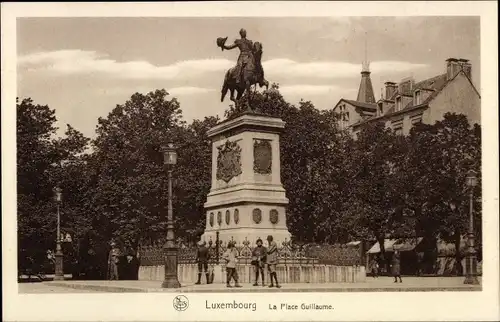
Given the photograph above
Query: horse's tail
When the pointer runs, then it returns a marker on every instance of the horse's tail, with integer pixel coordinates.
(225, 86)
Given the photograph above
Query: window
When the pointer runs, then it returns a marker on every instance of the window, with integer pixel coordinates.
(346, 116)
(399, 103)
(418, 98)
(397, 126)
(415, 119)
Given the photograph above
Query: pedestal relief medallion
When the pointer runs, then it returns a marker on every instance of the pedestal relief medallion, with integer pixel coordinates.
(228, 217)
(257, 215)
(262, 156)
(236, 216)
(219, 218)
(211, 219)
(273, 216)
(228, 161)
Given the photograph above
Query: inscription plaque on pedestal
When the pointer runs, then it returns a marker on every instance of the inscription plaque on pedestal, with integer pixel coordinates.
(262, 156)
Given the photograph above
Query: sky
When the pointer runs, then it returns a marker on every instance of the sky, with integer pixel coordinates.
(84, 67)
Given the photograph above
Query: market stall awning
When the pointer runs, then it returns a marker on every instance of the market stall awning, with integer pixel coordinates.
(387, 245)
(407, 244)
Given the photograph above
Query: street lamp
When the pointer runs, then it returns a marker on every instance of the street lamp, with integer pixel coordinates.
(471, 259)
(59, 270)
(170, 248)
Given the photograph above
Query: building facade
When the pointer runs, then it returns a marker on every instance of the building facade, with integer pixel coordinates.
(404, 104)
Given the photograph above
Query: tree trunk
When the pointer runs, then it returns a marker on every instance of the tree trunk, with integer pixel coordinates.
(458, 257)
(380, 240)
(430, 254)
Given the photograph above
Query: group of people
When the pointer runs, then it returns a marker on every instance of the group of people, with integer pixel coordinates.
(122, 263)
(395, 266)
(261, 257)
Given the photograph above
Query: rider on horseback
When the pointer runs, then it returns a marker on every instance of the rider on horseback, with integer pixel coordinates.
(246, 59)
(248, 70)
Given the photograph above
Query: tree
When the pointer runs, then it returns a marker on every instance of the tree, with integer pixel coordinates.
(438, 161)
(44, 161)
(129, 196)
(372, 169)
(35, 156)
(193, 177)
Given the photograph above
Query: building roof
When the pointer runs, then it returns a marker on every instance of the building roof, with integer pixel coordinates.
(362, 105)
(435, 84)
(365, 92)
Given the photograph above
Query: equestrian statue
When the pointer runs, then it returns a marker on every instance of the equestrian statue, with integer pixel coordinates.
(248, 70)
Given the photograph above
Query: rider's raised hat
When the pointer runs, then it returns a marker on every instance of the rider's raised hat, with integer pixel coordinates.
(221, 41)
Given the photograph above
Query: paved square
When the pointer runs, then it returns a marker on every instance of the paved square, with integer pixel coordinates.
(381, 284)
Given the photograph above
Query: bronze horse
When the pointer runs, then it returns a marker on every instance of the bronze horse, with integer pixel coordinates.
(250, 77)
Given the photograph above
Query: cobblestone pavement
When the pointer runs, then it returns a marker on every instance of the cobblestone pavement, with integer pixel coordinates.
(410, 284)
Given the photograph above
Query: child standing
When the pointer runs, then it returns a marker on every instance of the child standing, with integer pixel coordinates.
(231, 258)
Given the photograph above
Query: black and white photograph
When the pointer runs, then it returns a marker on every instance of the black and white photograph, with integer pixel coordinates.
(238, 165)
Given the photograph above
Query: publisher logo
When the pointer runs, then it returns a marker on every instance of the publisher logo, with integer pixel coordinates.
(181, 303)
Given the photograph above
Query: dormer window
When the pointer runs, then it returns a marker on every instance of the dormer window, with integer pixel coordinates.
(344, 116)
(399, 103)
(418, 97)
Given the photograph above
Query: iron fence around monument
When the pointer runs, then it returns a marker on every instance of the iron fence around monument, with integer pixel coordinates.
(288, 254)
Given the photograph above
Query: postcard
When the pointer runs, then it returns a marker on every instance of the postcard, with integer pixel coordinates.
(248, 161)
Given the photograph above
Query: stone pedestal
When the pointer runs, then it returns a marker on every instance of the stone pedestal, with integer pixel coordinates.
(247, 199)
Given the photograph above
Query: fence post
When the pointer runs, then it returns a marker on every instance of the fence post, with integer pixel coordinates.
(217, 247)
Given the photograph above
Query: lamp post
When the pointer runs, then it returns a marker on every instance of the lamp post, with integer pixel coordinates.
(59, 270)
(471, 259)
(170, 248)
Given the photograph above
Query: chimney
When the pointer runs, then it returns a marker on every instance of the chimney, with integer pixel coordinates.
(406, 86)
(452, 68)
(466, 66)
(390, 89)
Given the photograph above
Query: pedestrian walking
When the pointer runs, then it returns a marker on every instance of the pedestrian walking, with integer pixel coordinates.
(272, 260)
(420, 263)
(396, 266)
(113, 260)
(202, 257)
(131, 266)
(259, 255)
(231, 258)
(374, 267)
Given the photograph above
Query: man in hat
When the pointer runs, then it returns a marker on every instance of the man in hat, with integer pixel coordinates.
(258, 261)
(202, 257)
(131, 266)
(272, 260)
(113, 259)
(246, 58)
